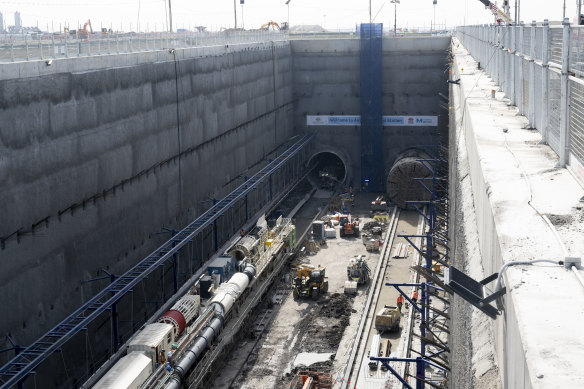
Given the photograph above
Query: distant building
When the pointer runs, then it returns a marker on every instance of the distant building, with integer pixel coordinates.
(17, 21)
(1, 22)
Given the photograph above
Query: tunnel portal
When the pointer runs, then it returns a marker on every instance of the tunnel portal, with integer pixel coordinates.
(402, 184)
(328, 170)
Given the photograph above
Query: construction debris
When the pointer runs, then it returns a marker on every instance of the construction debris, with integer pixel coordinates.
(307, 379)
(379, 204)
(374, 225)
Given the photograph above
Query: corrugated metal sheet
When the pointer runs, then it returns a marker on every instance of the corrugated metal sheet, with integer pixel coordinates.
(538, 42)
(553, 106)
(525, 83)
(538, 72)
(526, 41)
(517, 80)
(555, 47)
(577, 49)
(577, 119)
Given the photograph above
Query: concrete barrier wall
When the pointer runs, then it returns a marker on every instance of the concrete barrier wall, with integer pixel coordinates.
(327, 82)
(90, 167)
(480, 257)
(515, 182)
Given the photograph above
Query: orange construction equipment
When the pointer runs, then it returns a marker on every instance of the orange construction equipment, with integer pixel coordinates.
(83, 33)
(275, 26)
(307, 379)
(349, 225)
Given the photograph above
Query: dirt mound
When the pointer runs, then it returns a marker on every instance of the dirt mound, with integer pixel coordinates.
(323, 328)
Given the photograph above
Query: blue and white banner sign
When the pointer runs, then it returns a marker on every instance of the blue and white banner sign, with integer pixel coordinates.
(355, 120)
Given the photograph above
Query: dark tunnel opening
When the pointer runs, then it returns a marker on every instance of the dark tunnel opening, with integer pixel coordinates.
(328, 170)
(405, 178)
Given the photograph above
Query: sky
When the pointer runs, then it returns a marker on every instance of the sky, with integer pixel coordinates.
(332, 14)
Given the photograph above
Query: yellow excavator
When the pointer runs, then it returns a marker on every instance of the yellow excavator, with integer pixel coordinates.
(310, 281)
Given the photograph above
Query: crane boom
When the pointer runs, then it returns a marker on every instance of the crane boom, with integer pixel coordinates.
(499, 15)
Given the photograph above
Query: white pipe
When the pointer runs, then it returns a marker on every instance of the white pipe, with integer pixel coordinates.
(505, 266)
(222, 303)
(575, 270)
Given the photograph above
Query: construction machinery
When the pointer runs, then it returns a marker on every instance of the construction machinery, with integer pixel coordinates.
(387, 319)
(358, 271)
(310, 281)
(312, 380)
(83, 33)
(270, 25)
(500, 16)
(349, 225)
(379, 204)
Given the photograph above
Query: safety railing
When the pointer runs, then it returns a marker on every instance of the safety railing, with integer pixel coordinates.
(44, 46)
(541, 69)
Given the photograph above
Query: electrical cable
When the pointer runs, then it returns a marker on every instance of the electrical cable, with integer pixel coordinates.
(530, 201)
(515, 263)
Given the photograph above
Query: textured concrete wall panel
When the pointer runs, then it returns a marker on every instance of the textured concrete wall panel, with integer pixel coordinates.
(68, 135)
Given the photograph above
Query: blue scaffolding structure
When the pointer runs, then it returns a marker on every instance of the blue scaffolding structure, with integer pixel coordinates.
(433, 249)
(371, 107)
(27, 359)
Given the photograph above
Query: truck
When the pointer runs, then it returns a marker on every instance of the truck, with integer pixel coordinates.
(387, 319)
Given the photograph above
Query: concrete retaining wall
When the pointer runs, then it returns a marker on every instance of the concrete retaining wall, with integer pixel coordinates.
(89, 164)
(327, 82)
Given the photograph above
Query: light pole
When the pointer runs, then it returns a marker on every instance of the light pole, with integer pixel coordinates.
(395, 3)
(170, 14)
(288, 5)
(235, 14)
(434, 2)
